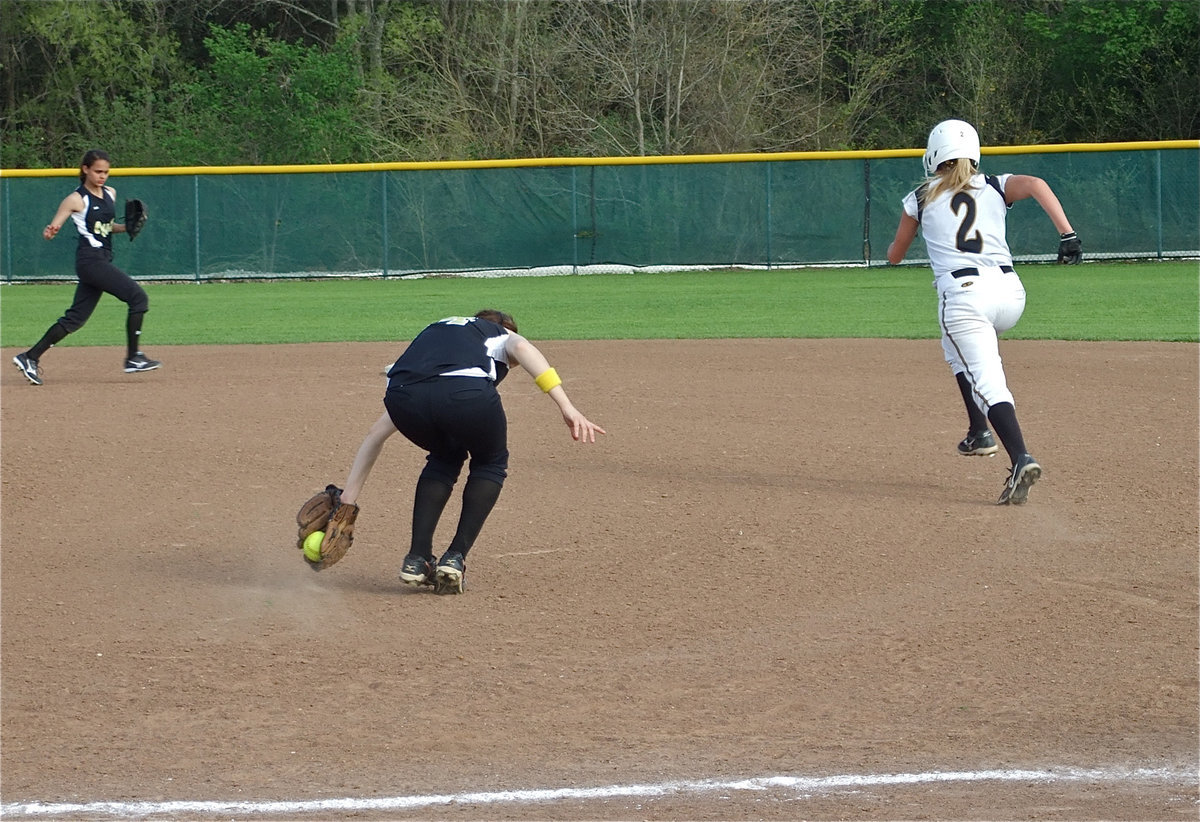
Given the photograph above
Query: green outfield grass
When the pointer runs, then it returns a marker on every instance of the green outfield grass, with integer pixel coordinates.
(1097, 301)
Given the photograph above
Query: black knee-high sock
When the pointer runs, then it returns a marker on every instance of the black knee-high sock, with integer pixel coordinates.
(1004, 420)
(133, 331)
(428, 503)
(479, 497)
(977, 422)
(54, 334)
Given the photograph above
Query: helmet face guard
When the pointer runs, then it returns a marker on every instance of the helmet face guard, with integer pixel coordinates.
(951, 140)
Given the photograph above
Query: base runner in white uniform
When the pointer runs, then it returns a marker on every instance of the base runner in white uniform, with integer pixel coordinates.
(961, 213)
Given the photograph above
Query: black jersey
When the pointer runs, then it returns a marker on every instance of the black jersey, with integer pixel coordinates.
(454, 347)
(95, 222)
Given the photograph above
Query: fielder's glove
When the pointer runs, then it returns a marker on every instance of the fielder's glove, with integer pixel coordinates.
(326, 512)
(1070, 250)
(135, 217)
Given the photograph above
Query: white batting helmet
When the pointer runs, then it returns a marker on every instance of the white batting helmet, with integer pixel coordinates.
(950, 140)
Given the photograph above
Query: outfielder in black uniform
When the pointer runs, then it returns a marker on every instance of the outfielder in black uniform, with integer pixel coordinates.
(442, 396)
(93, 209)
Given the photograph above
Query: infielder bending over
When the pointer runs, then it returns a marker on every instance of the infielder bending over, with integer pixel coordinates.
(442, 396)
(961, 213)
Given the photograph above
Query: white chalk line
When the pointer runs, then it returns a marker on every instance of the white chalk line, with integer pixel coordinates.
(1184, 778)
(531, 553)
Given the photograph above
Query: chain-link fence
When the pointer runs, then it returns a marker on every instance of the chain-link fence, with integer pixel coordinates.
(1126, 201)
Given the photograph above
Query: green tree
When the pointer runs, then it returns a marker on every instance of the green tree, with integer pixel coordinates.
(871, 51)
(183, 82)
(81, 76)
(1121, 69)
(266, 101)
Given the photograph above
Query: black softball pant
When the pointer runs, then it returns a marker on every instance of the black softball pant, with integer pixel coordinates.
(98, 276)
(453, 418)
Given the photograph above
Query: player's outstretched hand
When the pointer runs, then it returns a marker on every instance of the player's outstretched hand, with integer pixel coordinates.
(582, 429)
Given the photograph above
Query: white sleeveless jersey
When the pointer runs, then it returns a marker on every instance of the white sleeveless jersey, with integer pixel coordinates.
(964, 229)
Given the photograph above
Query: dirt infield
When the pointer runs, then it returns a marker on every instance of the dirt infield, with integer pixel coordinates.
(774, 565)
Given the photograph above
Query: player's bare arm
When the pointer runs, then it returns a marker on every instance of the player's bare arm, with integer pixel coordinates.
(534, 361)
(70, 205)
(1024, 186)
(117, 228)
(368, 452)
(525, 354)
(906, 232)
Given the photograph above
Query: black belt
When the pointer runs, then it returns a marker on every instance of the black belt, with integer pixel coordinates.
(974, 272)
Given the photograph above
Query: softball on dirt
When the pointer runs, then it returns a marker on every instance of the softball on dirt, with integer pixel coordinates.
(312, 546)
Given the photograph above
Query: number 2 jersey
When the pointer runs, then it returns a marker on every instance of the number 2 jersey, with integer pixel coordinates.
(964, 229)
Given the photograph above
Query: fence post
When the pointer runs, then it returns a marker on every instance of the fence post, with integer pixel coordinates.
(384, 184)
(1158, 198)
(867, 211)
(574, 219)
(769, 181)
(8, 263)
(196, 219)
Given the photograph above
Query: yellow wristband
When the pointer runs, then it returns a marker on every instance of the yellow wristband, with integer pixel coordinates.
(547, 380)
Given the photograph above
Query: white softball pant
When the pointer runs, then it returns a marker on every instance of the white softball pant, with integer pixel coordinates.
(973, 311)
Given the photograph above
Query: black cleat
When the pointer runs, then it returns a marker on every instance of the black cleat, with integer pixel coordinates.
(978, 444)
(448, 577)
(140, 362)
(29, 368)
(417, 570)
(1025, 473)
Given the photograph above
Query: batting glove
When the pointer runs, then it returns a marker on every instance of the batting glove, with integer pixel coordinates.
(1070, 250)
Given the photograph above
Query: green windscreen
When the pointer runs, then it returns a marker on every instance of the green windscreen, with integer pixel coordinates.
(586, 216)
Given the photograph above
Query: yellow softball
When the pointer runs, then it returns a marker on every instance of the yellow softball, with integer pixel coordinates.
(312, 546)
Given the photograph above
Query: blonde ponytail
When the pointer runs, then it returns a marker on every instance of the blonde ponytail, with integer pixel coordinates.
(951, 176)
